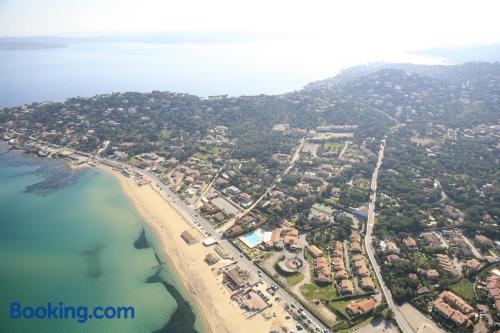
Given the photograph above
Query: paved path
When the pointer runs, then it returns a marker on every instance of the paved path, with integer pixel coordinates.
(294, 159)
(398, 316)
(346, 144)
(404, 314)
(475, 251)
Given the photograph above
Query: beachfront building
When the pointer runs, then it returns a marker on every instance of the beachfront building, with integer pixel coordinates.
(211, 258)
(236, 278)
(209, 241)
(253, 302)
(222, 252)
(190, 236)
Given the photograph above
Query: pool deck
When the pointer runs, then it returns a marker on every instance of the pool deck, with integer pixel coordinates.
(248, 239)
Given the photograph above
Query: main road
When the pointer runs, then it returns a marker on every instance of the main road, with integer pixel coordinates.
(398, 315)
(199, 222)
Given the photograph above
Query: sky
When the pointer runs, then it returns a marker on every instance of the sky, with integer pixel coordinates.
(411, 25)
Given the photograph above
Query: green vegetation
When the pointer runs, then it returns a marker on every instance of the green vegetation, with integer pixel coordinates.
(465, 289)
(360, 324)
(201, 156)
(165, 134)
(294, 279)
(312, 291)
(340, 306)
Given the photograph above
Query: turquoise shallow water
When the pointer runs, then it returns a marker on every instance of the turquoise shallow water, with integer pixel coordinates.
(72, 238)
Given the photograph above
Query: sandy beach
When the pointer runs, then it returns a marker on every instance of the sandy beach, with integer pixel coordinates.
(211, 297)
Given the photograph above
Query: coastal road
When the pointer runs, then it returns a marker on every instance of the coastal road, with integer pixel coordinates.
(207, 228)
(398, 315)
(199, 222)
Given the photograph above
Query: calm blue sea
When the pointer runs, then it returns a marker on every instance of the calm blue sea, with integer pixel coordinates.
(73, 237)
(270, 67)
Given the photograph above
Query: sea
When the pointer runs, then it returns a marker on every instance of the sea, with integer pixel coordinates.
(73, 237)
(203, 69)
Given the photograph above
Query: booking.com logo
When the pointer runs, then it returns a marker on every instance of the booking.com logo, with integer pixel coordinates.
(79, 313)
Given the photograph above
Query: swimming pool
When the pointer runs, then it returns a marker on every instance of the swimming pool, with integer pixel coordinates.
(252, 239)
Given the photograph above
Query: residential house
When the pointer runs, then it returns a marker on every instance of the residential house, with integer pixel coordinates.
(431, 274)
(483, 241)
(314, 251)
(361, 307)
(410, 243)
(367, 283)
(392, 248)
(356, 247)
(346, 287)
(392, 258)
(323, 273)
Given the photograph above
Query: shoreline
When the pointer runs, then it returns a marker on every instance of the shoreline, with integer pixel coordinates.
(125, 186)
(211, 299)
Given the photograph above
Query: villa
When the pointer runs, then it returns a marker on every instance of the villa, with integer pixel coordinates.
(346, 287)
(341, 275)
(410, 243)
(454, 308)
(284, 236)
(356, 247)
(392, 248)
(367, 283)
(431, 274)
(314, 251)
(323, 272)
(361, 307)
(493, 287)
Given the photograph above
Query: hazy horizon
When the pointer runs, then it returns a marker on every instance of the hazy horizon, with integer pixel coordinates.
(55, 50)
